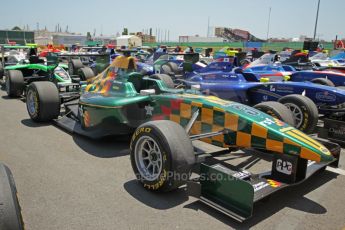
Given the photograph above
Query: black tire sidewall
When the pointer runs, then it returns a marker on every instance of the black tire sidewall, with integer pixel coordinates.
(15, 81)
(310, 116)
(10, 205)
(48, 104)
(271, 109)
(163, 180)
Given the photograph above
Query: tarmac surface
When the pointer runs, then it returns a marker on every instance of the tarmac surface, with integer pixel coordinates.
(66, 181)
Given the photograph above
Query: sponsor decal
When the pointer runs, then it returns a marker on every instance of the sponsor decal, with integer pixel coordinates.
(284, 167)
(325, 96)
(264, 97)
(267, 121)
(246, 110)
(242, 175)
(149, 110)
(340, 131)
(272, 89)
(284, 89)
(273, 183)
(260, 186)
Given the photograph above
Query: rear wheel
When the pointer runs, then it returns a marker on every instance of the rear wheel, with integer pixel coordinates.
(322, 81)
(11, 217)
(86, 73)
(165, 78)
(42, 101)
(162, 155)
(304, 110)
(1, 71)
(166, 69)
(74, 65)
(277, 110)
(174, 67)
(14, 83)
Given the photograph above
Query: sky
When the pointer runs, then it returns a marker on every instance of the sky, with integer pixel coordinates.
(289, 18)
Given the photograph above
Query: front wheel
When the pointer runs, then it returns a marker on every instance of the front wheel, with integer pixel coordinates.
(43, 101)
(162, 155)
(304, 110)
(276, 110)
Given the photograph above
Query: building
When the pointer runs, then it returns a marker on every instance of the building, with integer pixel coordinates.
(146, 38)
(129, 41)
(184, 39)
(18, 36)
(45, 37)
(235, 35)
(68, 39)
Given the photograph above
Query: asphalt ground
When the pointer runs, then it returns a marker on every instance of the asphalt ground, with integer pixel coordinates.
(66, 181)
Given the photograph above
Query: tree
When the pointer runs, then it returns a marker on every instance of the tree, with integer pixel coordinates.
(16, 28)
(125, 31)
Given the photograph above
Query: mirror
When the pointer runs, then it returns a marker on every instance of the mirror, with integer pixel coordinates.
(146, 92)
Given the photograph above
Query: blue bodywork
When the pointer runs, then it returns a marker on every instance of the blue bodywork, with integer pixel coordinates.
(276, 73)
(245, 88)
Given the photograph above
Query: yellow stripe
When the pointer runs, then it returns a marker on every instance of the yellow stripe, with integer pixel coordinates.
(302, 139)
(218, 109)
(197, 104)
(100, 106)
(286, 129)
(306, 137)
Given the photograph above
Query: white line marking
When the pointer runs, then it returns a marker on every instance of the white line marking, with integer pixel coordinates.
(336, 170)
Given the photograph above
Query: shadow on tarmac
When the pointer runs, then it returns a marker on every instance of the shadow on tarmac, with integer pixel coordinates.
(292, 197)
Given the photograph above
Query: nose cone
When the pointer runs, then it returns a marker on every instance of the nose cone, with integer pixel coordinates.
(310, 149)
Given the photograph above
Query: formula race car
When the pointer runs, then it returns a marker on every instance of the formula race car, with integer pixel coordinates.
(166, 124)
(17, 77)
(277, 72)
(12, 55)
(308, 99)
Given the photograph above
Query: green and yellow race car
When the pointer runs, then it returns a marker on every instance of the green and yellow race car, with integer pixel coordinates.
(167, 124)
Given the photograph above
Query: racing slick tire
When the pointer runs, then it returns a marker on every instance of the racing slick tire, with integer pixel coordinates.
(14, 83)
(276, 110)
(165, 78)
(74, 65)
(1, 72)
(174, 67)
(162, 155)
(322, 81)
(43, 101)
(86, 73)
(11, 217)
(304, 110)
(165, 69)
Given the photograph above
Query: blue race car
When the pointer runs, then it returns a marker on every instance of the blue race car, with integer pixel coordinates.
(277, 72)
(305, 99)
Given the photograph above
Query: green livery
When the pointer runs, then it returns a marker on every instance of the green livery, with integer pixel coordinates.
(164, 122)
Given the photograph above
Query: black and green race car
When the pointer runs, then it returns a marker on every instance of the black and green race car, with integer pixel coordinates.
(18, 76)
(166, 125)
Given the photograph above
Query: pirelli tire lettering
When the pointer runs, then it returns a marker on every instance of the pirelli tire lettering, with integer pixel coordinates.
(304, 110)
(161, 155)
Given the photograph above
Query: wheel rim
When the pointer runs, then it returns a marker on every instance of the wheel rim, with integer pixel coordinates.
(8, 85)
(148, 158)
(31, 102)
(297, 113)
